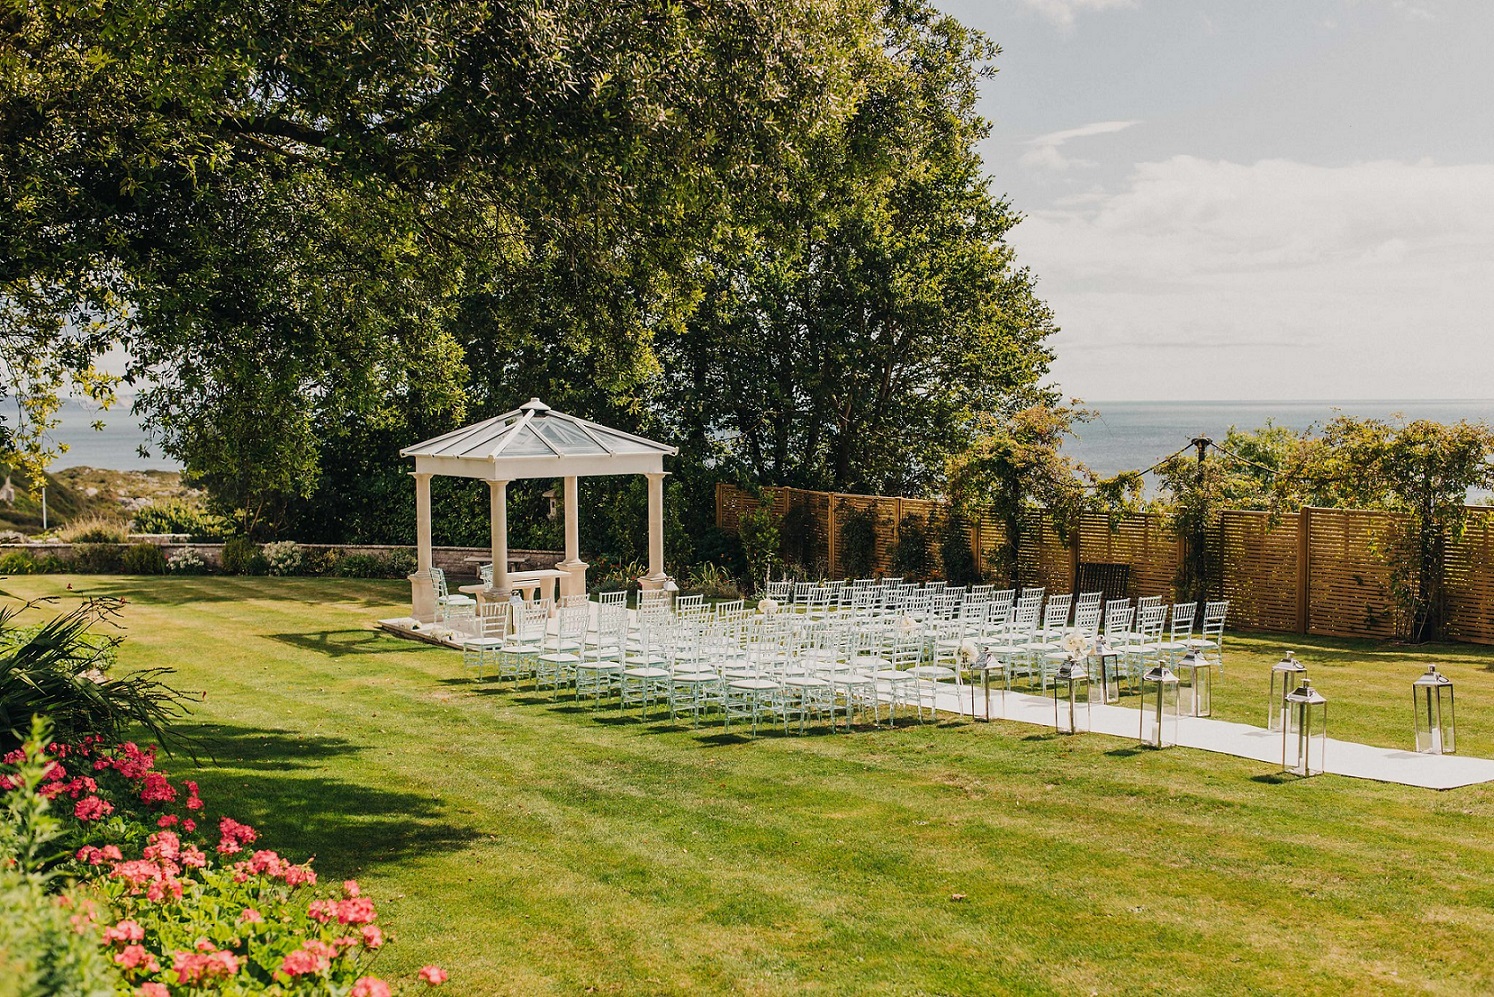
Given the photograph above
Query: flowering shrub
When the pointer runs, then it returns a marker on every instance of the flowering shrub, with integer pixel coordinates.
(186, 562)
(282, 557)
(181, 909)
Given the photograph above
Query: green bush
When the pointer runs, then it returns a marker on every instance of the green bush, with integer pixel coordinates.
(15, 562)
(242, 556)
(283, 558)
(363, 566)
(175, 515)
(712, 581)
(98, 558)
(857, 545)
(960, 567)
(761, 541)
(143, 559)
(60, 670)
(186, 562)
(912, 556)
(95, 530)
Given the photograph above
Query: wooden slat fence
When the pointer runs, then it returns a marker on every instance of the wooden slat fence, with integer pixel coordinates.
(1317, 571)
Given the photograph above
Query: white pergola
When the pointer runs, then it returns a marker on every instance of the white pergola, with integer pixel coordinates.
(533, 441)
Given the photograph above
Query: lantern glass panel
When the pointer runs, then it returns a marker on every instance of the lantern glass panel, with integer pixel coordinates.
(1160, 704)
(1304, 737)
(1071, 698)
(1432, 701)
(1286, 675)
(1196, 674)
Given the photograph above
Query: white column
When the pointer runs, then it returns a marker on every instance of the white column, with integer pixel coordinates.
(498, 508)
(575, 581)
(655, 578)
(422, 584)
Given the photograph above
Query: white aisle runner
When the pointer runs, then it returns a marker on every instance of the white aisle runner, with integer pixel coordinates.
(1361, 761)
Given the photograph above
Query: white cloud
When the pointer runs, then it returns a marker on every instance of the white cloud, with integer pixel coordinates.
(1273, 279)
(1063, 12)
(1043, 151)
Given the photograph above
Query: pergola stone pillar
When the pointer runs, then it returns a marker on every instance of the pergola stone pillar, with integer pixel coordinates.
(423, 582)
(575, 581)
(656, 577)
(498, 515)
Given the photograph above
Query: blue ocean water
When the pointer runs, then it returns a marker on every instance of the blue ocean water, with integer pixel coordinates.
(1135, 435)
(1125, 436)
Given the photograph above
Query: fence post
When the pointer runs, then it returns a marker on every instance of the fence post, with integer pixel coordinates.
(1074, 555)
(832, 544)
(1304, 569)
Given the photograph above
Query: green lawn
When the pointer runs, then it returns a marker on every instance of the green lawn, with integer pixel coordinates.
(532, 848)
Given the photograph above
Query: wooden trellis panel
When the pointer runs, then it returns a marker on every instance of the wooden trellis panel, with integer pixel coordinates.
(1142, 541)
(1470, 581)
(1348, 577)
(1260, 570)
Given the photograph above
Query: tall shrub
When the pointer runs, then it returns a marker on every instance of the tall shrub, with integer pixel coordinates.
(857, 543)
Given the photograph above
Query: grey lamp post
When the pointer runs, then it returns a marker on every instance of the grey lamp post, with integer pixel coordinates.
(1432, 701)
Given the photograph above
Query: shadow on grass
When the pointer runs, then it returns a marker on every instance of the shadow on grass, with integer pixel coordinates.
(169, 590)
(277, 782)
(341, 643)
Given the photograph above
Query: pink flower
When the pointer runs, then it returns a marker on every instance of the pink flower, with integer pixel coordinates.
(167, 820)
(373, 937)
(135, 957)
(359, 910)
(193, 858)
(92, 808)
(251, 916)
(157, 789)
(163, 845)
(350, 887)
(189, 825)
(124, 931)
(369, 986)
(233, 836)
(154, 990)
(303, 962)
(434, 975)
(322, 910)
(193, 968)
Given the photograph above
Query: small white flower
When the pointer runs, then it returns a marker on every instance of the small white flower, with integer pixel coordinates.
(767, 606)
(907, 624)
(968, 652)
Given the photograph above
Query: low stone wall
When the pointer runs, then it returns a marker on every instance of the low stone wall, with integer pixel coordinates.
(459, 563)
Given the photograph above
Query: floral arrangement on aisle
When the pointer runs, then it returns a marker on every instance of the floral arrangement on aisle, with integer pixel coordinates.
(174, 903)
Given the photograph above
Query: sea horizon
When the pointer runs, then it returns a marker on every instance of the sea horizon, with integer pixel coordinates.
(1126, 434)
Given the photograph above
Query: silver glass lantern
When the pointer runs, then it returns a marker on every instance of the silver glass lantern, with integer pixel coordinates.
(1109, 671)
(1196, 673)
(1286, 675)
(1304, 735)
(1070, 690)
(1432, 699)
(1159, 707)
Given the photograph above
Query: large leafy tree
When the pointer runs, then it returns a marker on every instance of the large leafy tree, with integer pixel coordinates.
(284, 212)
(851, 327)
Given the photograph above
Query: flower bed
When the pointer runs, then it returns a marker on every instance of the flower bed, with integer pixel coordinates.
(176, 903)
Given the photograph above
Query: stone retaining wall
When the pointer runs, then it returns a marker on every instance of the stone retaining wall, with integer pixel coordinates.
(452, 560)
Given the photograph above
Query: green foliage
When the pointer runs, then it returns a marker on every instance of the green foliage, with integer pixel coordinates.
(175, 515)
(912, 553)
(800, 547)
(1421, 470)
(98, 558)
(41, 953)
(847, 333)
(143, 559)
(1016, 464)
(61, 670)
(95, 529)
(712, 582)
(242, 556)
(955, 552)
(397, 564)
(762, 542)
(857, 544)
(283, 558)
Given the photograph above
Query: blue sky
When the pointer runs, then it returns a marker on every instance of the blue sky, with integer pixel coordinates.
(1258, 199)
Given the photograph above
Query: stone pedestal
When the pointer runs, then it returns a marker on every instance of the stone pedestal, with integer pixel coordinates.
(423, 597)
